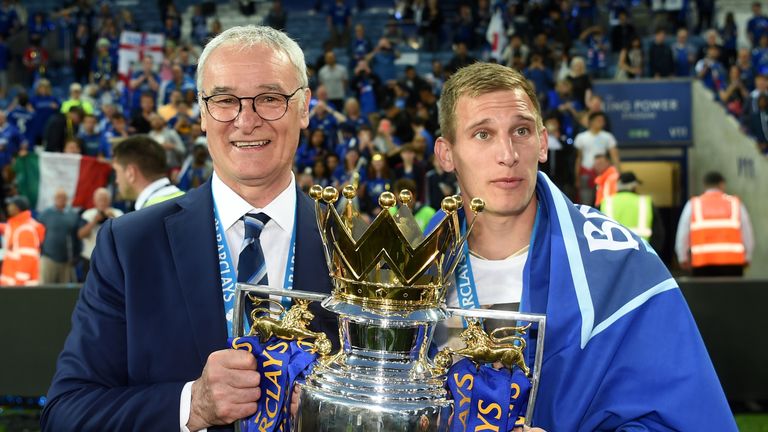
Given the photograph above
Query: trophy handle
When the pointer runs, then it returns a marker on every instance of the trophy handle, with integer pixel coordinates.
(484, 348)
(294, 324)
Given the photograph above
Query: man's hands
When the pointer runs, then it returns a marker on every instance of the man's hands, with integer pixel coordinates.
(227, 390)
(295, 394)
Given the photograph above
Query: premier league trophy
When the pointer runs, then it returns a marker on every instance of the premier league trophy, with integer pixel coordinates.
(390, 282)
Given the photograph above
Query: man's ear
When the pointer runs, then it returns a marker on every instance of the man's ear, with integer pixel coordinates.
(304, 108)
(203, 113)
(131, 172)
(543, 145)
(444, 154)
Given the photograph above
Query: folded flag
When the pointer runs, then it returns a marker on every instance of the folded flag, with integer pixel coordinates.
(485, 398)
(280, 363)
(622, 351)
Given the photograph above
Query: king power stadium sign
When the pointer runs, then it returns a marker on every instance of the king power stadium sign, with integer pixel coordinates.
(648, 113)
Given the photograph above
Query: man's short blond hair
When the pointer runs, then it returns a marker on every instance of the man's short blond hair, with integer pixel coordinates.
(476, 80)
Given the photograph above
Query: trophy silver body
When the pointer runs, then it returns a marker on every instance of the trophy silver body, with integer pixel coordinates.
(381, 380)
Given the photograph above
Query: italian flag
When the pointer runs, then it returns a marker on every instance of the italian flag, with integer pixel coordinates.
(40, 175)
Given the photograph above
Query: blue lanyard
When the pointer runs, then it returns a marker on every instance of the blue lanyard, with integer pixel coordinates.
(228, 272)
(466, 289)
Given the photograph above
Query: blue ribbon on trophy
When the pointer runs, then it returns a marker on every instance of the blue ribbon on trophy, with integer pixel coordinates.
(479, 395)
(281, 363)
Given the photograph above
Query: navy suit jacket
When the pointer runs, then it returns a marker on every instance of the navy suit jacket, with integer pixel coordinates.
(150, 313)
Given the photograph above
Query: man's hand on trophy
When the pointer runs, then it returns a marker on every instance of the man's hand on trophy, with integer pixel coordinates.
(295, 395)
(227, 390)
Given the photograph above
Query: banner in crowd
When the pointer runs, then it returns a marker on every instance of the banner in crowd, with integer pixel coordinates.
(646, 113)
(79, 176)
(134, 46)
(497, 35)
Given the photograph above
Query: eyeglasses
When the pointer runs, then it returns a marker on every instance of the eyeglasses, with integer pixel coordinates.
(269, 106)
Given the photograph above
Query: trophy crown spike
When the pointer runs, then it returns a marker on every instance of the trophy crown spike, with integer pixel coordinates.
(450, 204)
(477, 205)
(390, 265)
(315, 192)
(405, 196)
(349, 192)
(387, 200)
(330, 194)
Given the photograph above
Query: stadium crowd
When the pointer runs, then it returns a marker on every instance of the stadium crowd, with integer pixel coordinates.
(372, 122)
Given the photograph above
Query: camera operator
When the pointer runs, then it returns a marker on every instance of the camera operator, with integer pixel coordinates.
(90, 222)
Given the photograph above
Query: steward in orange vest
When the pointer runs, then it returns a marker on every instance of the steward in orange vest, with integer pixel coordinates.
(606, 180)
(719, 232)
(22, 238)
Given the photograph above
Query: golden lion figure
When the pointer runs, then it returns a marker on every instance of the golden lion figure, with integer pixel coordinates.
(293, 326)
(482, 348)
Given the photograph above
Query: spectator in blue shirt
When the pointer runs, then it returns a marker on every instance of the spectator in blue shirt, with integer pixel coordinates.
(354, 117)
(144, 80)
(38, 25)
(90, 136)
(360, 46)
(760, 55)
(179, 81)
(729, 33)
(104, 68)
(171, 29)
(110, 137)
(540, 75)
(311, 150)
(382, 60)
(9, 20)
(378, 180)
(10, 140)
(366, 86)
(684, 54)
(60, 247)
(276, 17)
(320, 117)
(339, 23)
(711, 71)
(22, 116)
(757, 24)
(199, 27)
(45, 105)
(597, 50)
(197, 170)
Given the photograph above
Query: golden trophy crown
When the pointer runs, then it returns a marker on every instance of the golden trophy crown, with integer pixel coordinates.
(389, 265)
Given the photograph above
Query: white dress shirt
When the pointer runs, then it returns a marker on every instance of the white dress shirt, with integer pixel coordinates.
(275, 242)
(159, 187)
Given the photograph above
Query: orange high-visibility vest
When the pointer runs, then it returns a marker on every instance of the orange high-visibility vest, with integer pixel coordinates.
(716, 230)
(21, 263)
(606, 184)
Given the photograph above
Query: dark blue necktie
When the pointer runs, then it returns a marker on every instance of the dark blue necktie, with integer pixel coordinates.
(251, 267)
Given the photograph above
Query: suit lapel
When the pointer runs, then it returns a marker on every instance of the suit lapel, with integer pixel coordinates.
(311, 271)
(192, 235)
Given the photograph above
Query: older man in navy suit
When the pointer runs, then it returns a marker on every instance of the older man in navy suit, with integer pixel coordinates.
(148, 347)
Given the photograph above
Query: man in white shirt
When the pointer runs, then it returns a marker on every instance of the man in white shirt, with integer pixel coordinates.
(606, 295)
(588, 144)
(92, 219)
(148, 348)
(140, 172)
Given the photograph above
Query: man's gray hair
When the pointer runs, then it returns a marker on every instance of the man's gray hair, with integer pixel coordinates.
(245, 37)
